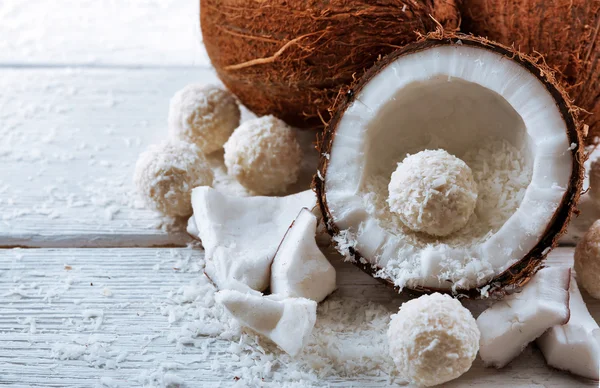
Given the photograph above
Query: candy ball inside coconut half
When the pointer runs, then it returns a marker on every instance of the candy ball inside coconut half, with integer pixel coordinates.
(500, 113)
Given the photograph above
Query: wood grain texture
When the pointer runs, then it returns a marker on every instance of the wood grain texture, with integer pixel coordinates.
(69, 140)
(101, 33)
(52, 301)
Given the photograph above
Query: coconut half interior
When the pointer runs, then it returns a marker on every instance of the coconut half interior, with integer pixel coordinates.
(480, 106)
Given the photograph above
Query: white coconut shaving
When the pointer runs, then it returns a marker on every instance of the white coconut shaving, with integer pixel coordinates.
(500, 171)
(348, 341)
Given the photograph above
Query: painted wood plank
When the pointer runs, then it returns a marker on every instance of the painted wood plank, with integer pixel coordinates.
(69, 140)
(112, 317)
(101, 33)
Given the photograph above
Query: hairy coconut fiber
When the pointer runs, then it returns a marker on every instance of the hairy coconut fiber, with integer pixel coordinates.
(565, 32)
(289, 58)
(521, 272)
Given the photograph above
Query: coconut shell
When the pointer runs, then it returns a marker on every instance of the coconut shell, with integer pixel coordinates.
(289, 58)
(520, 272)
(565, 32)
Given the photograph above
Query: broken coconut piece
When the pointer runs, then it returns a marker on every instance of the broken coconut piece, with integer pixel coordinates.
(191, 228)
(288, 322)
(528, 164)
(299, 268)
(575, 346)
(240, 235)
(433, 339)
(513, 322)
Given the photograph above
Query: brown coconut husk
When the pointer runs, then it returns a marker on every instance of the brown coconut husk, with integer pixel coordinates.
(289, 58)
(519, 273)
(565, 32)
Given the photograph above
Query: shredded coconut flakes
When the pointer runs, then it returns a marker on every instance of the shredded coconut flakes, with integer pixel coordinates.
(502, 176)
(348, 341)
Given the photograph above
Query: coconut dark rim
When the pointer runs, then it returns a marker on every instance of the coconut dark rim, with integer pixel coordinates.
(519, 273)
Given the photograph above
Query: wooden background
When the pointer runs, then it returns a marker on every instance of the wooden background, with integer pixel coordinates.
(84, 88)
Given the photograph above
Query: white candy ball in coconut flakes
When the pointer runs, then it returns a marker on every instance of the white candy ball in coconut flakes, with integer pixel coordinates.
(264, 155)
(203, 115)
(433, 339)
(433, 192)
(165, 175)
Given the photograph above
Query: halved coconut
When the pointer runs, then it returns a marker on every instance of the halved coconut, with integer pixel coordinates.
(497, 110)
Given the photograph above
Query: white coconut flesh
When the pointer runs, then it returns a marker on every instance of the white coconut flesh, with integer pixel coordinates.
(479, 106)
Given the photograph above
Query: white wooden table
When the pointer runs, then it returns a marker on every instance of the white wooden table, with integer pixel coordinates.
(87, 300)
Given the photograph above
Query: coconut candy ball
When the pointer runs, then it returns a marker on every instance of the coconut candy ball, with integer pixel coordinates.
(264, 155)
(587, 261)
(165, 175)
(433, 192)
(203, 115)
(433, 339)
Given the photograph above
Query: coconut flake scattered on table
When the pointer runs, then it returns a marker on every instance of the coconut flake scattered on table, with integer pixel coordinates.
(348, 340)
(496, 166)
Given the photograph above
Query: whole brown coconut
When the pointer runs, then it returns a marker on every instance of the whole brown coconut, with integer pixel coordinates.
(565, 32)
(289, 58)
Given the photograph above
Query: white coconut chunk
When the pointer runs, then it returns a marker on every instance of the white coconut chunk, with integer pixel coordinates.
(299, 268)
(240, 235)
(575, 346)
(288, 322)
(191, 228)
(512, 323)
